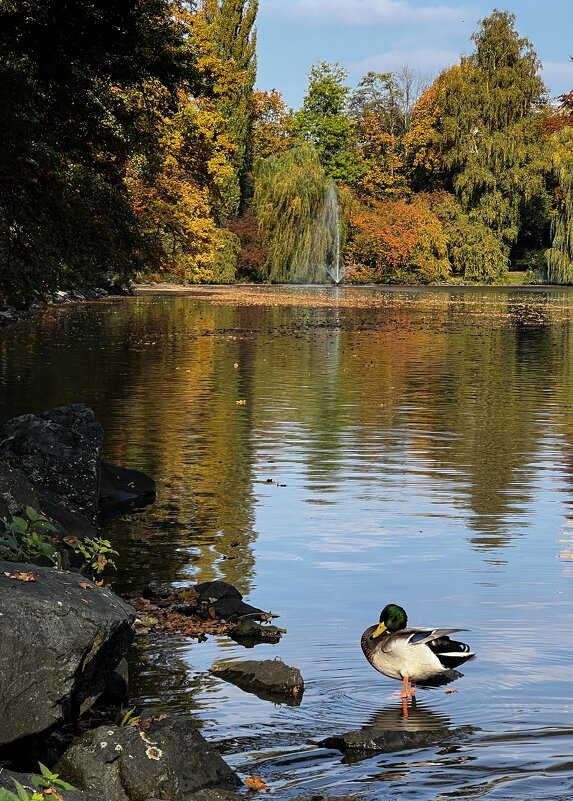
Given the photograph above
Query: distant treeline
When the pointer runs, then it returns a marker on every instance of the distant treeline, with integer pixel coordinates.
(135, 143)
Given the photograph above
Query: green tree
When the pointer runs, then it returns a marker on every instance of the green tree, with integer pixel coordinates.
(559, 257)
(323, 121)
(485, 136)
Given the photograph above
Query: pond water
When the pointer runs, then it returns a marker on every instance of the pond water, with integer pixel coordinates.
(420, 449)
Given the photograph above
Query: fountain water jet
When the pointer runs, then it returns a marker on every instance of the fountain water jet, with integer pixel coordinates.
(331, 223)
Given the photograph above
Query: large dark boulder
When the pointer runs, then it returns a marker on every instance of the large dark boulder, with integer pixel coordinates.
(52, 463)
(61, 638)
(57, 451)
(168, 759)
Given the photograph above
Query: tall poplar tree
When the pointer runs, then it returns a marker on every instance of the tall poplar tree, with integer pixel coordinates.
(232, 26)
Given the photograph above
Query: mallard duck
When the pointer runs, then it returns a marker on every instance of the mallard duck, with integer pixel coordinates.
(411, 654)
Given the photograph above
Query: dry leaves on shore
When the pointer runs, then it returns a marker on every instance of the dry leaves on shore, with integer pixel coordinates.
(166, 615)
(21, 576)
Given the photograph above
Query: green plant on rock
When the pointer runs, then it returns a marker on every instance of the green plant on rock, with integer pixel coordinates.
(23, 539)
(46, 780)
(127, 718)
(95, 552)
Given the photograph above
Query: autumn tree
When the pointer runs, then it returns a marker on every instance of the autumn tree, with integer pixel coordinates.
(393, 241)
(377, 107)
(231, 28)
(68, 134)
(272, 123)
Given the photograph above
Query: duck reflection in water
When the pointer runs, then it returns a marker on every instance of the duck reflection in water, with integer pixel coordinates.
(412, 654)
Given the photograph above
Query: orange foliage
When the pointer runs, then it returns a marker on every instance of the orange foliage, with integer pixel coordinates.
(394, 241)
(560, 117)
(252, 258)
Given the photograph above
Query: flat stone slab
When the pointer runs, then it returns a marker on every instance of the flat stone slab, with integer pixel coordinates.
(268, 679)
(371, 740)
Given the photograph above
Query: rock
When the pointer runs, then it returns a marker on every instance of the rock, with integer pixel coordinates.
(52, 462)
(16, 493)
(58, 451)
(226, 601)
(116, 692)
(269, 679)
(25, 779)
(121, 489)
(370, 739)
(214, 794)
(169, 760)
(249, 633)
(62, 638)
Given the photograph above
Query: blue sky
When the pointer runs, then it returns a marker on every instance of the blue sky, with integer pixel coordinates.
(383, 35)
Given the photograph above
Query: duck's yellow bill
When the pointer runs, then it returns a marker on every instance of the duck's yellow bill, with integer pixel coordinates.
(380, 629)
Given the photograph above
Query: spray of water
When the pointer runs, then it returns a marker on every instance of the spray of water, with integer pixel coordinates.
(331, 225)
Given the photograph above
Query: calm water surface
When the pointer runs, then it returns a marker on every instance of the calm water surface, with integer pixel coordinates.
(421, 452)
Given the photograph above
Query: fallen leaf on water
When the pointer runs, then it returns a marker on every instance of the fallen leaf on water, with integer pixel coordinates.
(255, 783)
(241, 402)
(449, 692)
(20, 576)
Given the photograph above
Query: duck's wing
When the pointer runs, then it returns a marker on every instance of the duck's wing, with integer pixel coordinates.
(425, 636)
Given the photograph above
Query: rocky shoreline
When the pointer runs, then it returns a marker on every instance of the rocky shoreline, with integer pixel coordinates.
(64, 636)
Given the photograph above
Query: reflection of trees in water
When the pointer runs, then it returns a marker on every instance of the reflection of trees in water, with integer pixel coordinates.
(463, 394)
(161, 678)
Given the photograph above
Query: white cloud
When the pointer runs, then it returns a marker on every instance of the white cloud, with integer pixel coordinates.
(426, 60)
(371, 12)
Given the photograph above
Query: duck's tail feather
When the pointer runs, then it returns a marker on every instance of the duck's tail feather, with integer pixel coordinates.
(451, 653)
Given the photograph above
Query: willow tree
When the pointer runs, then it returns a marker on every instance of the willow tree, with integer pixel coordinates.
(232, 29)
(289, 198)
(559, 257)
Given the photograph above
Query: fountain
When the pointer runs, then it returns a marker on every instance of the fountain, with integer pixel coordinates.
(330, 225)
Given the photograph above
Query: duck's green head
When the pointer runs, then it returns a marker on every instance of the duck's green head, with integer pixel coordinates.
(392, 618)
